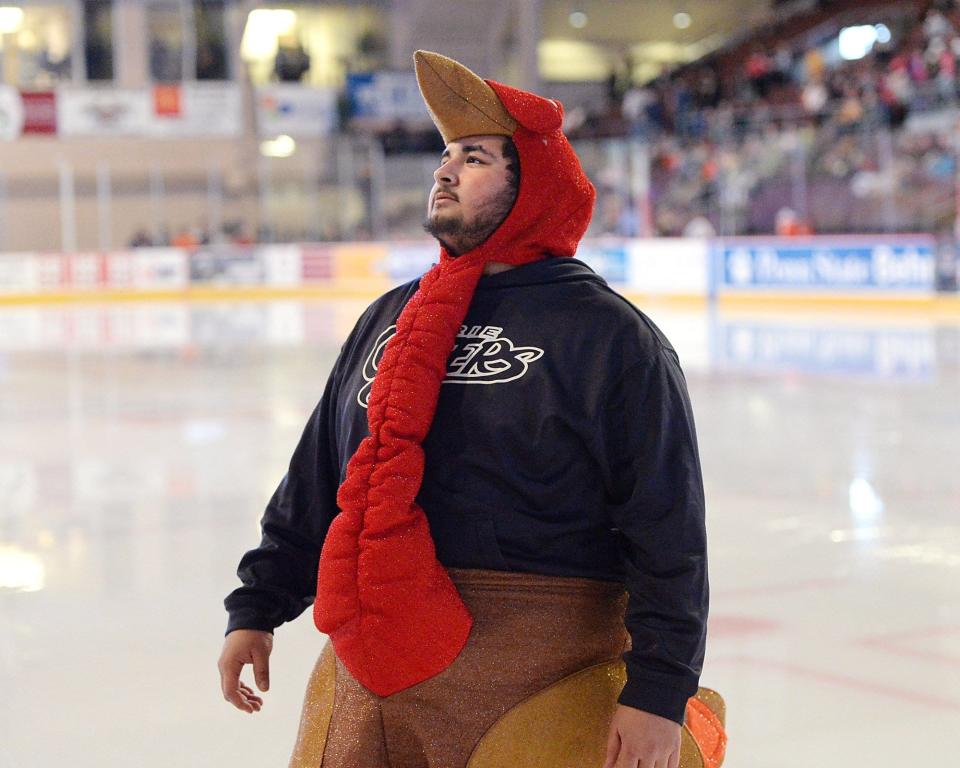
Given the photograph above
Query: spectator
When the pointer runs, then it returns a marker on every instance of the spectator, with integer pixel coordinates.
(758, 68)
(814, 66)
(292, 61)
(814, 97)
(699, 226)
(141, 239)
(185, 238)
(789, 224)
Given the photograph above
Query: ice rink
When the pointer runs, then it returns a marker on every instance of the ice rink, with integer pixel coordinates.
(140, 442)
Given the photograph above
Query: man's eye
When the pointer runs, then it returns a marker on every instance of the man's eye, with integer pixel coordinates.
(475, 160)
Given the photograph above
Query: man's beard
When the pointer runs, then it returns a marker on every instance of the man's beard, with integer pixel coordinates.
(460, 237)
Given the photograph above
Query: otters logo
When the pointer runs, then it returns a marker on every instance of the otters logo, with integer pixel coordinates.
(480, 355)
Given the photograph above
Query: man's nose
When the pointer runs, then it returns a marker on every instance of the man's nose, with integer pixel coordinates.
(445, 174)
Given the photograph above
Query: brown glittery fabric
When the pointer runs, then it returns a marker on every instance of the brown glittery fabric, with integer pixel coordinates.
(529, 632)
(460, 102)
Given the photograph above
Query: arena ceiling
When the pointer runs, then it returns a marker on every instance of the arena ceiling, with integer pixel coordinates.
(583, 40)
(632, 21)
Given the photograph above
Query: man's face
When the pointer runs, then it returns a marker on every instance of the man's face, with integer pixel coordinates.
(472, 193)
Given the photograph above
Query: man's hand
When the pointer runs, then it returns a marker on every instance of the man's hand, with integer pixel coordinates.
(639, 738)
(245, 646)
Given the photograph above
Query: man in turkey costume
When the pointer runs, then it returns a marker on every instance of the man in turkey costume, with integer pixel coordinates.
(496, 508)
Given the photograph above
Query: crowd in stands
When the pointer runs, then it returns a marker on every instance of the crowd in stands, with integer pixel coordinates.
(792, 140)
(914, 66)
(232, 233)
(795, 140)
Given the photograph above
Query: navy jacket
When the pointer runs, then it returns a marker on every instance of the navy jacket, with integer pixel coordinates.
(563, 443)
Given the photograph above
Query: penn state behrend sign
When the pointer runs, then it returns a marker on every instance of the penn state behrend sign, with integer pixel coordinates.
(899, 264)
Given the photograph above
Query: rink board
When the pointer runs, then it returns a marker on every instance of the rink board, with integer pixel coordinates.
(857, 270)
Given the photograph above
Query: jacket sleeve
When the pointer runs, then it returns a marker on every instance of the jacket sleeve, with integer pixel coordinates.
(280, 576)
(656, 501)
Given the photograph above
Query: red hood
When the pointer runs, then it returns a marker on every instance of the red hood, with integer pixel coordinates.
(555, 200)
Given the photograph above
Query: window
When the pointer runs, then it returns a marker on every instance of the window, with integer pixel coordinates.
(36, 43)
(187, 40)
(165, 41)
(316, 44)
(210, 23)
(98, 39)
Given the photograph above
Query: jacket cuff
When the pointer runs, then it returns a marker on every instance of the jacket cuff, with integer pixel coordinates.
(654, 697)
(240, 619)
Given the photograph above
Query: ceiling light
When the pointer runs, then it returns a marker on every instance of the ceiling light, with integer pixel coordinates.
(282, 146)
(682, 20)
(578, 19)
(10, 19)
(263, 27)
(857, 42)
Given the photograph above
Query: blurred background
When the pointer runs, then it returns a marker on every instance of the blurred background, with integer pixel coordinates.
(199, 197)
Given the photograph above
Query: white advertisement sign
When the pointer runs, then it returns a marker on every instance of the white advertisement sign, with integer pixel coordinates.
(667, 266)
(296, 110)
(282, 264)
(11, 113)
(160, 268)
(197, 109)
(103, 112)
(147, 269)
(18, 273)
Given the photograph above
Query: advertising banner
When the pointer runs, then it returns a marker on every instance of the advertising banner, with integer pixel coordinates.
(317, 263)
(39, 112)
(856, 264)
(296, 110)
(608, 258)
(85, 271)
(196, 109)
(282, 264)
(188, 109)
(151, 269)
(226, 265)
(408, 261)
(11, 114)
(386, 96)
(103, 112)
(168, 101)
(361, 266)
(18, 273)
(669, 266)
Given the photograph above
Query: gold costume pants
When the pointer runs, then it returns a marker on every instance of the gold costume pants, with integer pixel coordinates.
(535, 685)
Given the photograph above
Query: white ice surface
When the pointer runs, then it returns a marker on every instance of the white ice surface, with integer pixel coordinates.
(139, 443)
